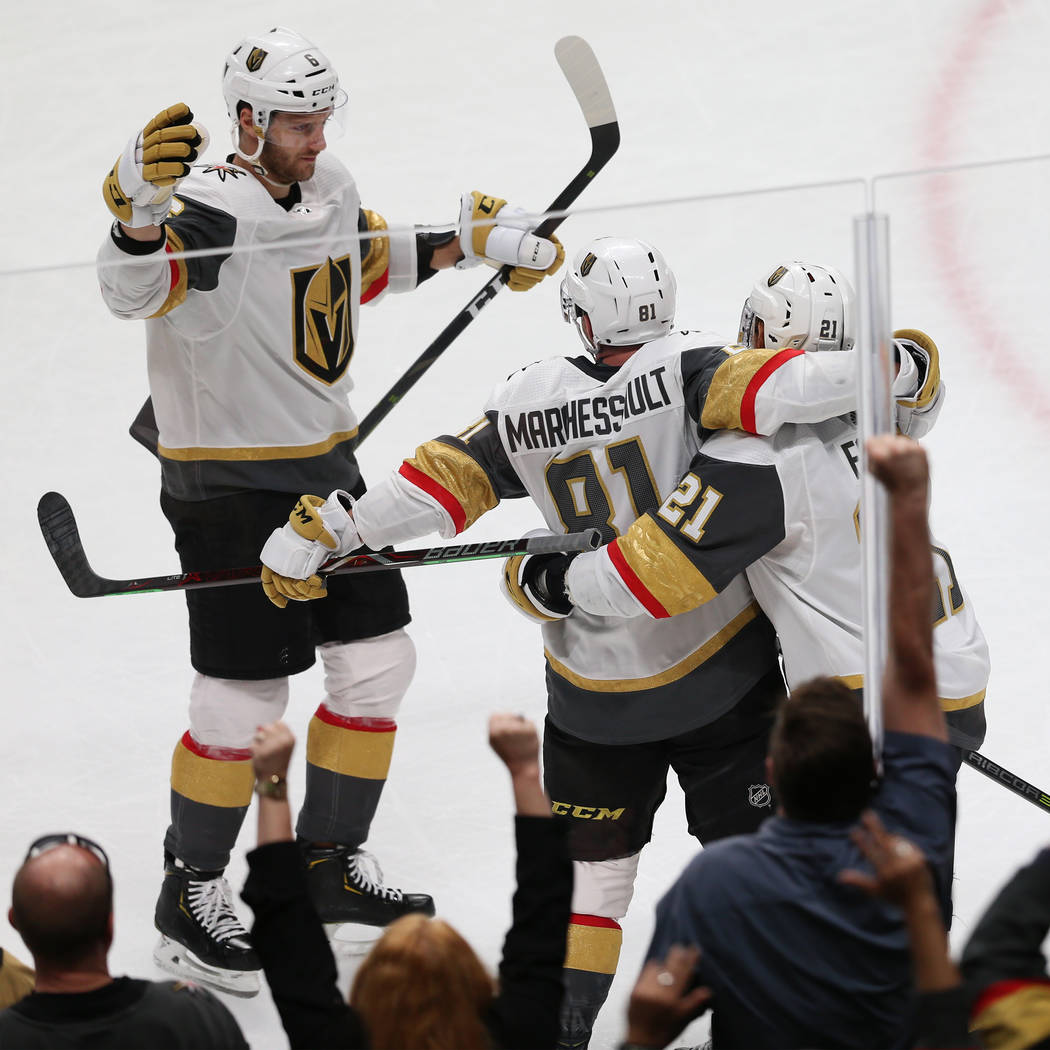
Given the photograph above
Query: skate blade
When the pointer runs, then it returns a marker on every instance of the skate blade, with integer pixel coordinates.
(179, 961)
(352, 939)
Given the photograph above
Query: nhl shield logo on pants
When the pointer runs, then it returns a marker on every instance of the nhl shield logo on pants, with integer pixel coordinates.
(759, 796)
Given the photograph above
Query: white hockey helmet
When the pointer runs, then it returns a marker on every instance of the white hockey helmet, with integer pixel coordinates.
(801, 306)
(624, 287)
(279, 71)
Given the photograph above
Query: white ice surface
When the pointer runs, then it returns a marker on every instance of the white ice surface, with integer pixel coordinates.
(713, 98)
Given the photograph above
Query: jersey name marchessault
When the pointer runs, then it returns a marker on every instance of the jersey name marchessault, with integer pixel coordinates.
(587, 417)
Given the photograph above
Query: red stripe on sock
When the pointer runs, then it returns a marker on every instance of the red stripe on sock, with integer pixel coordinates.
(217, 754)
(436, 491)
(747, 402)
(594, 920)
(362, 725)
(634, 584)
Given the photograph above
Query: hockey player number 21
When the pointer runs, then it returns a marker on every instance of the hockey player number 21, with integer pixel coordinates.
(685, 496)
(581, 497)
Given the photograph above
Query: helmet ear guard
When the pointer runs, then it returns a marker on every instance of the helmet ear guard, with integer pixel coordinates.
(800, 306)
(624, 288)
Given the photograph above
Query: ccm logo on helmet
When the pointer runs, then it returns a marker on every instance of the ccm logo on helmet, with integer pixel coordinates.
(323, 90)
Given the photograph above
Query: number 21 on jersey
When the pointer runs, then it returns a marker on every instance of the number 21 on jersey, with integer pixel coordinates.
(684, 497)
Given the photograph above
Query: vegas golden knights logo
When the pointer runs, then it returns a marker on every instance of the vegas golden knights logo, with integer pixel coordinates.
(321, 321)
(776, 275)
(588, 261)
(255, 59)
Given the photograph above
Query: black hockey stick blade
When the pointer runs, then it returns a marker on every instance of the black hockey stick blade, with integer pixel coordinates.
(1010, 781)
(62, 536)
(588, 84)
(59, 527)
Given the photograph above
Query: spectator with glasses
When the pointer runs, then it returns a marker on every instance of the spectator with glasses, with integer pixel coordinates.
(62, 905)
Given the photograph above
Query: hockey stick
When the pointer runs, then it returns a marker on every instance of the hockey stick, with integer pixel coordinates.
(1010, 781)
(59, 527)
(587, 81)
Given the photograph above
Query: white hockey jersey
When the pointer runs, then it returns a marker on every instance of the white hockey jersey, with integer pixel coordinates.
(248, 347)
(784, 510)
(595, 447)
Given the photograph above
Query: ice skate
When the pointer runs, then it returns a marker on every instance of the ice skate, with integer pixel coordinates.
(347, 887)
(201, 938)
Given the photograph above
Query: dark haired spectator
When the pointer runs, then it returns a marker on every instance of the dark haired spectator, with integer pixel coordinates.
(16, 979)
(422, 985)
(1004, 963)
(62, 905)
(794, 958)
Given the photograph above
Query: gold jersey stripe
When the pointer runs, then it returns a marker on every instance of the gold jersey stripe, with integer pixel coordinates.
(851, 681)
(593, 948)
(209, 781)
(180, 285)
(963, 702)
(318, 448)
(728, 385)
(856, 681)
(350, 752)
(629, 685)
(458, 474)
(665, 571)
(377, 261)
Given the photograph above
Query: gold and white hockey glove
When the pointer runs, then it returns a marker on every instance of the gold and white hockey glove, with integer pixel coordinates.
(507, 241)
(535, 584)
(138, 190)
(317, 531)
(917, 412)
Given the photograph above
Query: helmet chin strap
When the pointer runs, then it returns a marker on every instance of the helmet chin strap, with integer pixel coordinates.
(252, 159)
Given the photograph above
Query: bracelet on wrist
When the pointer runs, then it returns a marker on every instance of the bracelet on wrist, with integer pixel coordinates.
(273, 786)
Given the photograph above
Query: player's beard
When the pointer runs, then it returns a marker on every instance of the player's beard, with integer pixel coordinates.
(281, 168)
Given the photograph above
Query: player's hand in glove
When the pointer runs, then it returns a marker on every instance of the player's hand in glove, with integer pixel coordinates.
(506, 241)
(917, 412)
(317, 531)
(138, 190)
(535, 585)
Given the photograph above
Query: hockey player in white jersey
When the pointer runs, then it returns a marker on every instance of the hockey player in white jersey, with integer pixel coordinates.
(249, 344)
(784, 510)
(595, 441)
